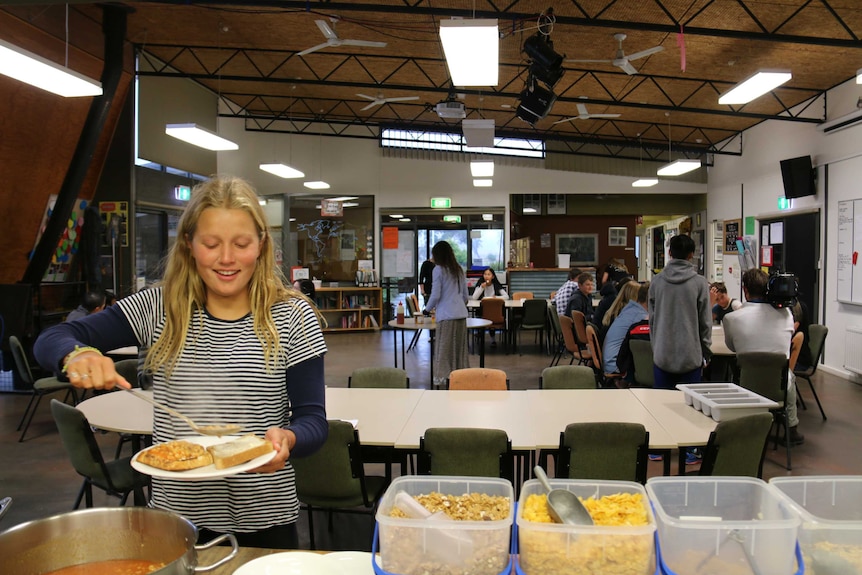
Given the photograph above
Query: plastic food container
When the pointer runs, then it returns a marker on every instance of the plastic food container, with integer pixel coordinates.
(723, 401)
(557, 549)
(737, 525)
(438, 545)
(830, 508)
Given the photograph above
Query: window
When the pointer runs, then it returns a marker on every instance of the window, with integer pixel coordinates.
(448, 142)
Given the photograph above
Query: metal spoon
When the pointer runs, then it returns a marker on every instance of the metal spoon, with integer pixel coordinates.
(226, 429)
(564, 506)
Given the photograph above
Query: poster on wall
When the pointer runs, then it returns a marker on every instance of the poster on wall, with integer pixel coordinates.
(115, 221)
(732, 232)
(583, 248)
(69, 242)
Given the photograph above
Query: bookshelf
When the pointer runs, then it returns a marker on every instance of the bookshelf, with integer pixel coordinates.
(350, 308)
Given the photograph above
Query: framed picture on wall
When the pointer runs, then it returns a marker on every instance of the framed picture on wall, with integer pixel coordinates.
(618, 236)
(583, 248)
(556, 204)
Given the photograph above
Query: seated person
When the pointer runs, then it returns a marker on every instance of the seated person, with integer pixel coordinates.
(626, 291)
(582, 299)
(305, 286)
(758, 326)
(93, 302)
(800, 325)
(722, 304)
(490, 286)
(565, 291)
(634, 311)
(609, 294)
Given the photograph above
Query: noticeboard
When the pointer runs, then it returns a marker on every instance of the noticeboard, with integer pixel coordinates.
(732, 232)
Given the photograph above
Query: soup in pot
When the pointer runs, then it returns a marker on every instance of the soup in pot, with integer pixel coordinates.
(112, 567)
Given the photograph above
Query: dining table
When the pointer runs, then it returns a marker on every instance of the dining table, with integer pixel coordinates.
(121, 412)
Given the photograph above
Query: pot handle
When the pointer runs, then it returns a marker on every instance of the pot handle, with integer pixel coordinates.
(5, 504)
(223, 560)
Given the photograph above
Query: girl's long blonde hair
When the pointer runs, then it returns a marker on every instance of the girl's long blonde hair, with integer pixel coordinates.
(185, 291)
(628, 292)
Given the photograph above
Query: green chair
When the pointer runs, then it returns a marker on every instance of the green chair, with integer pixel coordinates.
(333, 478)
(765, 374)
(558, 344)
(816, 339)
(642, 355)
(41, 387)
(604, 450)
(567, 377)
(737, 446)
(116, 478)
(465, 451)
(385, 377)
(534, 319)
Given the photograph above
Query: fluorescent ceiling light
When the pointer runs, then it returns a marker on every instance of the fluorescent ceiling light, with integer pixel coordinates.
(201, 137)
(37, 71)
(318, 185)
(472, 49)
(482, 169)
(282, 171)
(644, 182)
(757, 85)
(262, 201)
(859, 76)
(343, 198)
(678, 168)
(488, 217)
(404, 220)
(349, 204)
(396, 216)
(529, 210)
(293, 219)
(483, 183)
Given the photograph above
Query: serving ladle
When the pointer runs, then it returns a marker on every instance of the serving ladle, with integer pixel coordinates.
(563, 506)
(219, 430)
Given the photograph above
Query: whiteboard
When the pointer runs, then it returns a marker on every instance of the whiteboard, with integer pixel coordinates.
(849, 266)
(400, 262)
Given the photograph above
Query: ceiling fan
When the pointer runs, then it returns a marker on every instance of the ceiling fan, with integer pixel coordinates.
(584, 115)
(621, 60)
(332, 39)
(379, 100)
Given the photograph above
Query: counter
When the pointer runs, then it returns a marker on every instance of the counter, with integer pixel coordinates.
(540, 281)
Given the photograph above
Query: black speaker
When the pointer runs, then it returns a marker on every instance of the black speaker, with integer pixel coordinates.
(535, 104)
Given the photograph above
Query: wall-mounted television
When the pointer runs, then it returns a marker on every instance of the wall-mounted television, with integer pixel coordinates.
(798, 176)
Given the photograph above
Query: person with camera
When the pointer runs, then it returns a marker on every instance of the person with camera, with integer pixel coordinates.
(762, 325)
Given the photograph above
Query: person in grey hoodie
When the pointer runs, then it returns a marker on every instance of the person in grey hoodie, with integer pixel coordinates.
(680, 318)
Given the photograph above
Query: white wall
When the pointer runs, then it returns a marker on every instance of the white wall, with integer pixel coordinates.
(751, 184)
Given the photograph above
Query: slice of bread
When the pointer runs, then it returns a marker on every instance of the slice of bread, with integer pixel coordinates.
(239, 451)
(175, 456)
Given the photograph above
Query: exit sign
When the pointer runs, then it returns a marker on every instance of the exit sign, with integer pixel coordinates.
(441, 202)
(452, 219)
(783, 203)
(182, 193)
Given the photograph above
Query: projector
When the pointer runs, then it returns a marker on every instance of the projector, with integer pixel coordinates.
(451, 109)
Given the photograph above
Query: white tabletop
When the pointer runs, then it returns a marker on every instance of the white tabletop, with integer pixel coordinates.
(128, 351)
(719, 347)
(119, 411)
(688, 426)
(410, 323)
(381, 413)
(476, 303)
(551, 410)
(504, 410)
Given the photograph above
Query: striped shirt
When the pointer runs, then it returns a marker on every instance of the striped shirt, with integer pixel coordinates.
(220, 377)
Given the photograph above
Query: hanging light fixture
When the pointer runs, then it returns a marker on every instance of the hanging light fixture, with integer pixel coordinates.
(318, 184)
(643, 182)
(37, 71)
(199, 136)
(755, 86)
(678, 167)
(472, 50)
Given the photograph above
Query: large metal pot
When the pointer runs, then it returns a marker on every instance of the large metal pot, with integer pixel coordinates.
(104, 534)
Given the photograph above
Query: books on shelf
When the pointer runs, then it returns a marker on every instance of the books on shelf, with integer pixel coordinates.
(366, 278)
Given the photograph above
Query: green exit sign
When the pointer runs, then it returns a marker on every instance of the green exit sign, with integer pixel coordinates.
(182, 193)
(452, 219)
(441, 203)
(783, 203)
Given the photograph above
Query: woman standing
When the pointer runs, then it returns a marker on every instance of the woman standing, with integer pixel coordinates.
(228, 342)
(449, 300)
(490, 286)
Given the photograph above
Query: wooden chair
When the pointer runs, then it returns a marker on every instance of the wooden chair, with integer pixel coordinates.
(816, 340)
(737, 446)
(582, 354)
(604, 450)
(481, 378)
(555, 336)
(766, 374)
(464, 451)
(605, 379)
(522, 295)
(41, 387)
(334, 479)
(116, 477)
(413, 309)
(579, 321)
(493, 309)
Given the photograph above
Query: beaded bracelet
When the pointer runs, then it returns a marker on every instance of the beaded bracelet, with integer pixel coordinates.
(78, 351)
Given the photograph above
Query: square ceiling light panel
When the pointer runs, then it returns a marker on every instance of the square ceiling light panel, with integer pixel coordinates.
(472, 50)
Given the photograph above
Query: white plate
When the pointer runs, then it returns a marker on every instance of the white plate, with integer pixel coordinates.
(350, 562)
(207, 471)
(289, 563)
